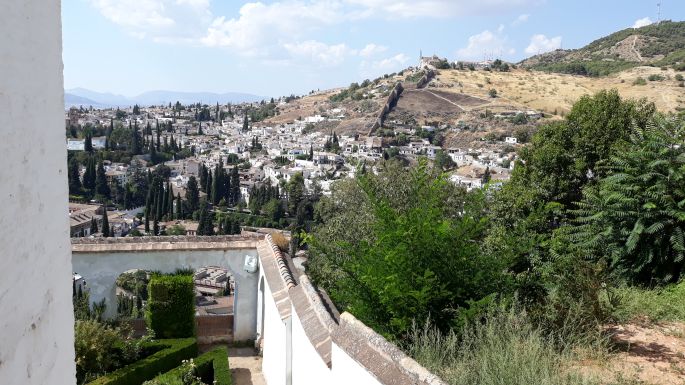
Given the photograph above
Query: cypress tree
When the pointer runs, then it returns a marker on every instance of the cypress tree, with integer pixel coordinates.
(147, 221)
(246, 124)
(88, 142)
(101, 186)
(208, 187)
(206, 224)
(216, 183)
(235, 186)
(165, 200)
(93, 226)
(89, 175)
(74, 177)
(105, 223)
(192, 194)
(179, 207)
(155, 227)
(170, 202)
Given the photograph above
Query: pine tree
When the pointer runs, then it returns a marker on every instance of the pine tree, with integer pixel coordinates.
(105, 223)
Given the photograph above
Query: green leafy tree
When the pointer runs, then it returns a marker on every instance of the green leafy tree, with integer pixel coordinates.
(635, 217)
(403, 250)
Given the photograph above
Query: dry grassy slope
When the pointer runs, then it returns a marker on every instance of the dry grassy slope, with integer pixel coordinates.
(557, 92)
(518, 89)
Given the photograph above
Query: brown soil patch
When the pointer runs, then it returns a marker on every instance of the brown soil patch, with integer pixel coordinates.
(653, 354)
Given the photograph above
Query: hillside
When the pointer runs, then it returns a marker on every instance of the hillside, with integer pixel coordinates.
(657, 44)
(458, 98)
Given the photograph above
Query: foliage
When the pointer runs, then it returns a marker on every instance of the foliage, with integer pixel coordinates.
(211, 368)
(661, 304)
(170, 311)
(505, 348)
(640, 81)
(635, 217)
(390, 275)
(168, 354)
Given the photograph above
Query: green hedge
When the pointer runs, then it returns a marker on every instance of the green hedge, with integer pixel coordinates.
(170, 309)
(211, 366)
(171, 355)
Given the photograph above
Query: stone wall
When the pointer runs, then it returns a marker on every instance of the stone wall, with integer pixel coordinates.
(393, 98)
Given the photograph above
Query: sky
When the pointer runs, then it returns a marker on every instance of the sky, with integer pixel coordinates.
(283, 47)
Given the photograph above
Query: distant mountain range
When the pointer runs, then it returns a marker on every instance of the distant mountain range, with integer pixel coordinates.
(85, 97)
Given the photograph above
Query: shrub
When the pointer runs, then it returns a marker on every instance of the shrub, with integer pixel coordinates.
(640, 81)
(506, 348)
(655, 78)
(95, 349)
(679, 77)
(210, 368)
(170, 354)
(170, 310)
(492, 93)
(662, 304)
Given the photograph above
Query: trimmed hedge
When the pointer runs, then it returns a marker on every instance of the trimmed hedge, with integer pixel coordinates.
(211, 366)
(170, 309)
(172, 353)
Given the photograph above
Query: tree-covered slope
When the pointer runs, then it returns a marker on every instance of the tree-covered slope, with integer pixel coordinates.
(660, 44)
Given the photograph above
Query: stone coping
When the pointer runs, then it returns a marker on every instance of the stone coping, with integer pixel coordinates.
(384, 360)
(132, 244)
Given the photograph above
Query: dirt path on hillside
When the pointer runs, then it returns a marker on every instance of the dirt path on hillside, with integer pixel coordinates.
(637, 53)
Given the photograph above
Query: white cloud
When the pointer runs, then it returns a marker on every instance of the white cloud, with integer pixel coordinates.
(540, 44)
(162, 20)
(261, 28)
(645, 21)
(438, 8)
(488, 44)
(383, 66)
(319, 53)
(520, 20)
(371, 50)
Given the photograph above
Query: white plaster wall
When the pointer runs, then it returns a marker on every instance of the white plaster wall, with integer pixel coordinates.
(308, 366)
(274, 346)
(347, 371)
(36, 317)
(100, 271)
